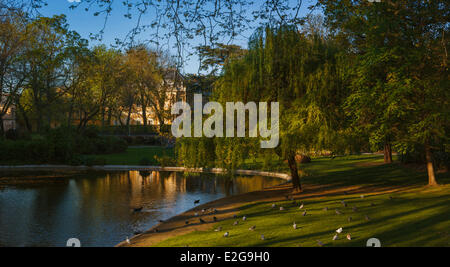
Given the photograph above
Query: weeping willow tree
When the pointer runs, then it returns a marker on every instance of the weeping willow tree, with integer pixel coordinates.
(304, 74)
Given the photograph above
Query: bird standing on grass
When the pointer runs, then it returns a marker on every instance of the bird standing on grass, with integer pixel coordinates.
(338, 212)
(349, 237)
(340, 230)
(252, 228)
(281, 209)
(336, 237)
(294, 226)
(227, 234)
(301, 206)
(236, 223)
(305, 213)
(219, 229)
(244, 218)
(263, 237)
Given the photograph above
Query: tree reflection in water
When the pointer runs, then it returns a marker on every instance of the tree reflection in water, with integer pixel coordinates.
(97, 208)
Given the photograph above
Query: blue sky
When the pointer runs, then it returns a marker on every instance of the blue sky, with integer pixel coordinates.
(118, 26)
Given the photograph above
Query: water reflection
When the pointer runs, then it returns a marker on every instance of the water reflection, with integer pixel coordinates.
(98, 208)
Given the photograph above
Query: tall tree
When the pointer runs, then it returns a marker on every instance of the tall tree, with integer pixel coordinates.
(401, 72)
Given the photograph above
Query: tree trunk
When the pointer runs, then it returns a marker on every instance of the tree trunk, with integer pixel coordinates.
(387, 153)
(431, 175)
(144, 115)
(129, 119)
(294, 172)
(2, 127)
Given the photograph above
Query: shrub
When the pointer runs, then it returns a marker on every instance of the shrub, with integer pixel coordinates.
(145, 162)
(95, 161)
(166, 161)
(12, 134)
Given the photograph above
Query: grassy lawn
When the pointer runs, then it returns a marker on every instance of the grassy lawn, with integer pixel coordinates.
(415, 216)
(134, 155)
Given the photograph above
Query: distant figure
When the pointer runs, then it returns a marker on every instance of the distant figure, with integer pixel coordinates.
(196, 202)
(202, 221)
(338, 212)
(344, 204)
(236, 223)
(336, 237)
(367, 218)
(215, 219)
(305, 213)
(350, 219)
(263, 237)
(244, 218)
(187, 222)
(218, 229)
(227, 234)
(294, 226)
(325, 209)
(301, 206)
(281, 209)
(128, 241)
(161, 221)
(252, 228)
(355, 209)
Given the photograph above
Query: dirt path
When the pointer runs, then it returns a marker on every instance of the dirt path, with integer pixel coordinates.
(228, 207)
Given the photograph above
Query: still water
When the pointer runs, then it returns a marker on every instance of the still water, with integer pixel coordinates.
(98, 208)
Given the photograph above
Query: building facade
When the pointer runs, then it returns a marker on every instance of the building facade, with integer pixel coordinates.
(9, 119)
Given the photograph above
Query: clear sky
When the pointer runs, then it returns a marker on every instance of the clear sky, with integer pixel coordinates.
(85, 23)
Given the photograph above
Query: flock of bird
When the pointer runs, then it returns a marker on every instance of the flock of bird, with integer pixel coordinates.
(295, 226)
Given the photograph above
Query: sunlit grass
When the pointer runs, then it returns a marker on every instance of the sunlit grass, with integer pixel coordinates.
(417, 216)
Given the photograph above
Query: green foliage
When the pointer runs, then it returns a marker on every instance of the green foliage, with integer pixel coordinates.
(60, 145)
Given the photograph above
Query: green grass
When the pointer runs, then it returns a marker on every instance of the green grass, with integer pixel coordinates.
(417, 216)
(134, 155)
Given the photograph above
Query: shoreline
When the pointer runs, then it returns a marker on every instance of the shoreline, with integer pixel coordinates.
(283, 176)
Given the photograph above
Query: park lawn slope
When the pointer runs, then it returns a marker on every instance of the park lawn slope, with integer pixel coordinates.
(401, 209)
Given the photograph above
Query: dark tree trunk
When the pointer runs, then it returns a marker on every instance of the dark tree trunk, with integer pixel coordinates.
(109, 117)
(388, 153)
(129, 119)
(430, 168)
(2, 127)
(294, 172)
(144, 114)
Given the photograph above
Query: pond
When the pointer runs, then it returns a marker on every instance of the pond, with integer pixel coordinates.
(97, 208)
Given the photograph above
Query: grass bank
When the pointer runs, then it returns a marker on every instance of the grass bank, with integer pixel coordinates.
(400, 210)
